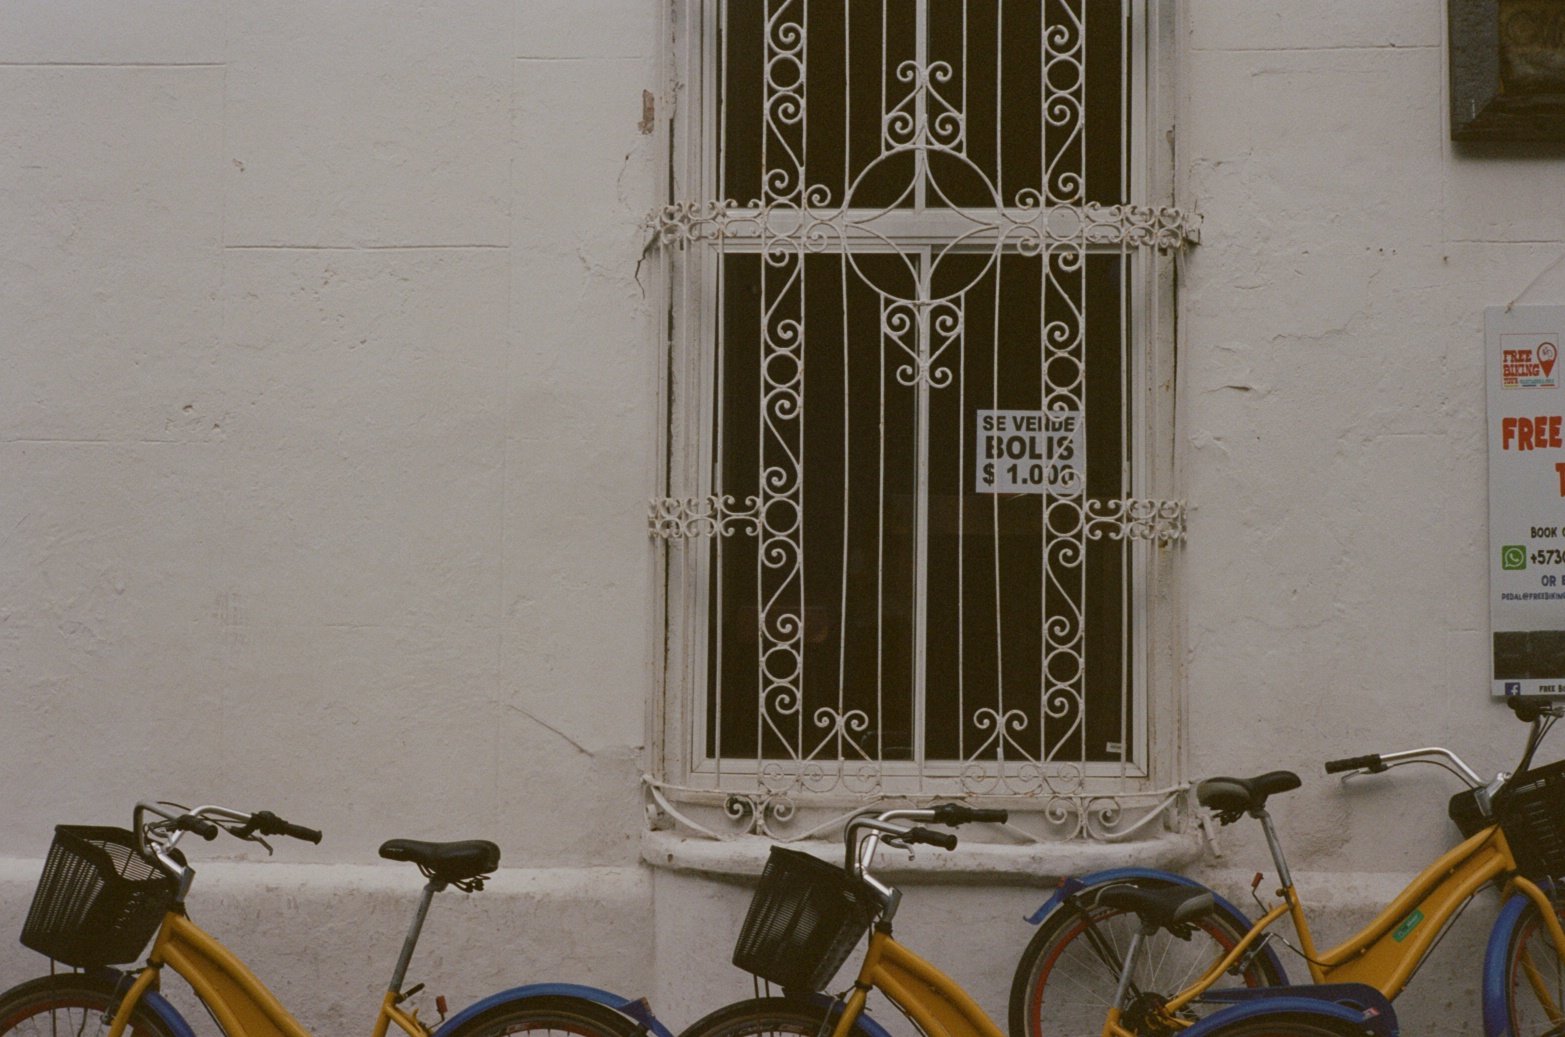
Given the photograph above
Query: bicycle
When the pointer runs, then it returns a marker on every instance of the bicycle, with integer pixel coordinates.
(105, 891)
(807, 915)
(1071, 975)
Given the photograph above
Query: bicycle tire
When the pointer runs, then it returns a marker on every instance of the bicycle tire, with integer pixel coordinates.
(74, 1003)
(761, 1016)
(1531, 958)
(1288, 1024)
(552, 1014)
(1062, 953)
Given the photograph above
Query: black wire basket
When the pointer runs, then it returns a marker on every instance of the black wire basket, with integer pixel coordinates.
(1531, 809)
(99, 900)
(803, 921)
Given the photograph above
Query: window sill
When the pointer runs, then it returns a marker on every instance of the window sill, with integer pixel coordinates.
(1028, 864)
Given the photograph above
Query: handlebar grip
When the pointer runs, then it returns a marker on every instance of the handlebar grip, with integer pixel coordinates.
(1370, 762)
(201, 826)
(268, 823)
(944, 840)
(954, 814)
(309, 835)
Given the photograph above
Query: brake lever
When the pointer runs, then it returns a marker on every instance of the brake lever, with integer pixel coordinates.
(247, 833)
(254, 837)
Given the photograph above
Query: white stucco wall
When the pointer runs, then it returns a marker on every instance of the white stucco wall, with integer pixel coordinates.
(325, 439)
(329, 413)
(1333, 410)
(1334, 440)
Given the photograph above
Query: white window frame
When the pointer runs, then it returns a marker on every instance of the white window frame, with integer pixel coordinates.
(729, 796)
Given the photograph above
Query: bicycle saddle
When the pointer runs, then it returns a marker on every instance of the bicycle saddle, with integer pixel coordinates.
(1231, 797)
(448, 862)
(1171, 908)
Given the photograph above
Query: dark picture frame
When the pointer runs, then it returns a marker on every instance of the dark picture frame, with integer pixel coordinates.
(1507, 61)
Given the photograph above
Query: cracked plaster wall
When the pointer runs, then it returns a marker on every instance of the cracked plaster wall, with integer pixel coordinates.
(325, 440)
(327, 423)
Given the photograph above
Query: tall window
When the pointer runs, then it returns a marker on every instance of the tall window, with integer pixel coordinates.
(912, 350)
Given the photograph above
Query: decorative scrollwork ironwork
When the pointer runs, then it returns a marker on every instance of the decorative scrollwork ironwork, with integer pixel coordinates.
(681, 518)
(1026, 226)
(1134, 519)
(1130, 518)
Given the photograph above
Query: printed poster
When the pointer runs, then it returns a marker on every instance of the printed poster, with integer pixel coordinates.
(1526, 498)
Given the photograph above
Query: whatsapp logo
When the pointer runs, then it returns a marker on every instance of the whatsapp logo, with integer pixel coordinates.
(1513, 557)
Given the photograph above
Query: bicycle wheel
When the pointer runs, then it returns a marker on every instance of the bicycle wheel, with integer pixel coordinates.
(1070, 970)
(769, 1015)
(559, 1014)
(72, 1003)
(1534, 978)
(1289, 1025)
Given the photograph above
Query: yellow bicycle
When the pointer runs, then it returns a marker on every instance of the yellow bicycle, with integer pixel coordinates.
(1074, 973)
(105, 891)
(1099, 967)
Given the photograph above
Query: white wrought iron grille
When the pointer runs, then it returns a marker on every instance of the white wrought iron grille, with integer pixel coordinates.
(916, 219)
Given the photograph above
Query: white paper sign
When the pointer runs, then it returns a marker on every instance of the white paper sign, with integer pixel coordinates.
(1030, 451)
(1526, 498)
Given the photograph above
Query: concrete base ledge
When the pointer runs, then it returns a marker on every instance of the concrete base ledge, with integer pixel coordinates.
(324, 937)
(1020, 864)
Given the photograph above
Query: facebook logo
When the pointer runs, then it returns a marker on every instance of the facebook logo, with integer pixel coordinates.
(1513, 687)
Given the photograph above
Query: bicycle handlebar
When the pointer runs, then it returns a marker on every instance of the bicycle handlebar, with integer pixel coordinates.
(199, 825)
(1530, 707)
(864, 831)
(264, 822)
(1371, 763)
(158, 837)
(1375, 763)
(953, 814)
(916, 834)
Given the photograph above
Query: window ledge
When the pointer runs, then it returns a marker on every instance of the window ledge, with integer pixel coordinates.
(1028, 864)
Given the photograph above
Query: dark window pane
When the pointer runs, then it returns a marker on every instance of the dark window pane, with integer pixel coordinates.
(995, 618)
(1017, 88)
(815, 623)
(854, 586)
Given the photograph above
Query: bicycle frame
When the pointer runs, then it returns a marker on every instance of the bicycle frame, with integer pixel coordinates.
(240, 1002)
(928, 996)
(1385, 953)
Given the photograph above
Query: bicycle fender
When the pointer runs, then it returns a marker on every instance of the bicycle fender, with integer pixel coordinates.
(1072, 884)
(155, 1002)
(1496, 1021)
(635, 1008)
(1379, 1020)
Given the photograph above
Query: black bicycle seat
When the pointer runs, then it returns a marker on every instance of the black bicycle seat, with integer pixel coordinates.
(1169, 908)
(1237, 796)
(448, 862)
